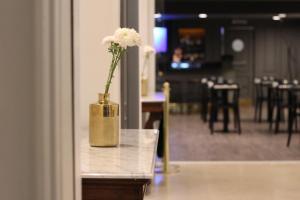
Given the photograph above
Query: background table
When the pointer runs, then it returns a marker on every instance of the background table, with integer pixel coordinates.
(158, 107)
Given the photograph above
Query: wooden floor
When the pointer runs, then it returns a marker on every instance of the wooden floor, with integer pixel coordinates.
(190, 140)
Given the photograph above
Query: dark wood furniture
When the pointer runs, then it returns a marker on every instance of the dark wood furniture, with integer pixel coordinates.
(114, 189)
(154, 105)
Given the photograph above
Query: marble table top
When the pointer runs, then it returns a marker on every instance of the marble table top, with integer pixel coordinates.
(134, 158)
(157, 97)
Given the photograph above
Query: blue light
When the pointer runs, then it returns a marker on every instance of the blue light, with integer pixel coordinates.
(157, 16)
(184, 65)
(222, 30)
(180, 65)
(174, 65)
(160, 39)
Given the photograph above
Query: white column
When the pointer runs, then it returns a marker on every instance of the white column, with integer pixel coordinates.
(97, 19)
(146, 27)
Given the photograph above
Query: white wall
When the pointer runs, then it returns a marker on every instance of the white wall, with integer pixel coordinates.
(146, 26)
(97, 19)
(17, 100)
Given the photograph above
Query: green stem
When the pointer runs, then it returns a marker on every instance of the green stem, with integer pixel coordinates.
(115, 59)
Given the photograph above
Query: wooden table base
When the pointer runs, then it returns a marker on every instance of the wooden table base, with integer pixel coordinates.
(113, 189)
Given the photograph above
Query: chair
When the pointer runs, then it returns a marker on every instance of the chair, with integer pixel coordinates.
(261, 96)
(204, 99)
(294, 101)
(281, 102)
(294, 113)
(221, 94)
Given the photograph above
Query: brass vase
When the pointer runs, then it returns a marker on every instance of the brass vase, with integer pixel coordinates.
(104, 123)
(144, 86)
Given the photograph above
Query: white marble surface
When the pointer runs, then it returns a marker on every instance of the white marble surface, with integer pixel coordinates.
(134, 158)
(155, 98)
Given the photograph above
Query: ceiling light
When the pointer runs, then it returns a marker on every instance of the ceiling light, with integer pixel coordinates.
(202, 15)
(282, 15)
(276, 18)
(157, 15)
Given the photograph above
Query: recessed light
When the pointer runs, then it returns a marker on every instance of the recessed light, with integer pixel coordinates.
(276, 18)
(282, 15)
(157, 15)
(202, 15)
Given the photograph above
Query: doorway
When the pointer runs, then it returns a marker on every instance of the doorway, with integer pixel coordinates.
(236, 45)
(240, 44)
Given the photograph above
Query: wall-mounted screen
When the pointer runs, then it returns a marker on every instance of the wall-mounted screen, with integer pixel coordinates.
(160, 39)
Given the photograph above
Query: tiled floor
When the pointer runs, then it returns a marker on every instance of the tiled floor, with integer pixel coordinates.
(190, 140)
(228, 181)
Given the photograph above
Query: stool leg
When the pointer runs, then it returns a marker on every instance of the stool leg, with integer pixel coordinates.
(235, 118)
(277, 119)
(202, 107)
(255, 110)
(212, 119)
(205, 111)
(260, 111)
(271, 119)
(239, 120)
(290, 126)
(296, 123)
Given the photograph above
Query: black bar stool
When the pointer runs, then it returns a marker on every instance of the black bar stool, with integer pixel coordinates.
(225, 97)
(204, 99)
(294, 110)
(262, 95)
(281, 102)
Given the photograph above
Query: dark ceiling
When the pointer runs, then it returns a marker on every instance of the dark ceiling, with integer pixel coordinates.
(227, 6)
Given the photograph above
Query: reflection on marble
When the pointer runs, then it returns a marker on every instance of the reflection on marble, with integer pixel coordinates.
(133, 158)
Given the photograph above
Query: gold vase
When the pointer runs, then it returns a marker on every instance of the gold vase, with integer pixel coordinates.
(144, 86)
(104, 122)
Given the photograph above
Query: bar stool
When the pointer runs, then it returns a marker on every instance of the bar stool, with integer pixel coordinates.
(220, 100)
(262, 95)
(260, 98)
(204, 98)
(281, 102)
(294, 110)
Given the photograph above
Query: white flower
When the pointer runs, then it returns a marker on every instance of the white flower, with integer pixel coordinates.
(108, 39)
(122, 38)
(126, 37)
(148, 50)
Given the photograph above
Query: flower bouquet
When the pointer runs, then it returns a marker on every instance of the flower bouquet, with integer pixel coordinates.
(148, 51)
(104, 115)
